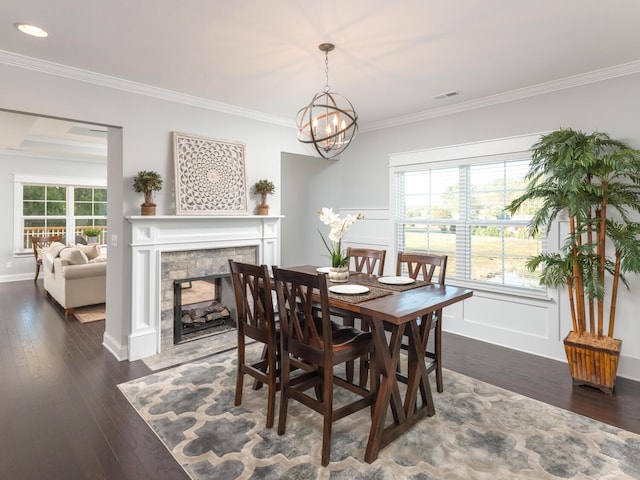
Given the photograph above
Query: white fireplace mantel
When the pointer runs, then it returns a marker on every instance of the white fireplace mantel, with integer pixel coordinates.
(152, 235)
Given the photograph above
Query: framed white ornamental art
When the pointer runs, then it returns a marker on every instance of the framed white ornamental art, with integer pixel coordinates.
(210, 176)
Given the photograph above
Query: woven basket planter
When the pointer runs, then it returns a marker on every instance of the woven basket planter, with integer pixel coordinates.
(593, 361)
(147, 209)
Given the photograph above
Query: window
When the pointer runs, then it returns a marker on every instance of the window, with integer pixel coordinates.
(456, 207)
(48, 207)
(90, 209)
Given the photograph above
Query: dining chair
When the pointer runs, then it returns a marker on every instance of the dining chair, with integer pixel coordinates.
(370, 261)
(424, 266)
(39, 244)
(256, 320)
(366, 259)
(313, 344)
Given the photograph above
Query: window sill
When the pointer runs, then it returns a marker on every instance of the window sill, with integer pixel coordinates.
(499, 290)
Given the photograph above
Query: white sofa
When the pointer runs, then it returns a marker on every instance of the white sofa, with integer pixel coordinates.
(71, 283)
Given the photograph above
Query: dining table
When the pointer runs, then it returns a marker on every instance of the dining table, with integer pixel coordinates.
(392, 310)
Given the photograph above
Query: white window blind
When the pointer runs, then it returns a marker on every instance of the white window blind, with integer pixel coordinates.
(456, 207)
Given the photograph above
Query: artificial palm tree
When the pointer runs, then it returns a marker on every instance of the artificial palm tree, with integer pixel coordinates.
(595, 180)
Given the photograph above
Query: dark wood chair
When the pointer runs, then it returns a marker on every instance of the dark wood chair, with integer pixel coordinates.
(424, 266)
(370, 261)
(366, 259)
(312, 342)
(256, 320)
(39, 244)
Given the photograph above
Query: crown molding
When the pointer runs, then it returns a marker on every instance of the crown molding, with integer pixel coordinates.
(21, 61)
(520, 93)
(51, 68)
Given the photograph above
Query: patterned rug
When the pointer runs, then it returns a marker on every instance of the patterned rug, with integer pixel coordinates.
(479, 432)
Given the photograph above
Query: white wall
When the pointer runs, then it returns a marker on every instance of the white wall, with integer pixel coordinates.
(299, 175)
(141, 140)
(360, 180)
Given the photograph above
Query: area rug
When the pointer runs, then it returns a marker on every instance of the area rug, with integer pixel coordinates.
(479, 432)
(91, 313)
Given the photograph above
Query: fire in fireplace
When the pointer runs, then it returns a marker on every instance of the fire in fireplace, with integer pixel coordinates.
(197, 307)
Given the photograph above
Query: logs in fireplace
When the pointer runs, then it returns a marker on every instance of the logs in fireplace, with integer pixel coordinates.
(198, 309)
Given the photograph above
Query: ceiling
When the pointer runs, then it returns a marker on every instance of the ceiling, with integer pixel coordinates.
(391, 59)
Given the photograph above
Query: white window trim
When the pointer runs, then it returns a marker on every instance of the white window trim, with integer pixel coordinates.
(467, 153)
(19, 180)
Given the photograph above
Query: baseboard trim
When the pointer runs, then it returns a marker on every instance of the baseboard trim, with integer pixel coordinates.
(119, 351)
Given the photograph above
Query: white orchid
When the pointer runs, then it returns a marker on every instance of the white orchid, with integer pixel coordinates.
(338, 228)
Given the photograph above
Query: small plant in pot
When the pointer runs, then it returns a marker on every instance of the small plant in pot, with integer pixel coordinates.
(92, 234)
(147, 182)
(263, 188)
(595, 181)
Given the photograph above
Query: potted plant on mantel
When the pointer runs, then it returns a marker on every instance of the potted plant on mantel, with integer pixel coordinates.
(595, 181)
(147, 182)
(263, 188)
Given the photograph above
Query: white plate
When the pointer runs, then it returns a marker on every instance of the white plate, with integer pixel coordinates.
(323, 269)
(396, 280)
(348, 289)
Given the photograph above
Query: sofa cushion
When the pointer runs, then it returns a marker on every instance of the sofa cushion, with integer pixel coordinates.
(73, 256)
(80, 272)
(91, 251)
(54, 249)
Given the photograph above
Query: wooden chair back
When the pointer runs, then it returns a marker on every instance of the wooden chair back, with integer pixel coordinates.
(366, 259)
(305, 323)
(256, 319)
(424, 265)
(39, 244)
(254, 304)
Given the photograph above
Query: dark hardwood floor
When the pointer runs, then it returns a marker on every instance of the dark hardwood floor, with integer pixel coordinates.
(62, 417)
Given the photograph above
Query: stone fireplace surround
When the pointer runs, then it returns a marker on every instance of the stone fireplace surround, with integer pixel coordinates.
(181, 265)
(151, 236)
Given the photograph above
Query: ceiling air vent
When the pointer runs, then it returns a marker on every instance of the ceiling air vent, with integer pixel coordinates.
(445, 95)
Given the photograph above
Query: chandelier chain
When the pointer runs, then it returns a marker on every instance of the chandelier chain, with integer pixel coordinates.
(326, 71)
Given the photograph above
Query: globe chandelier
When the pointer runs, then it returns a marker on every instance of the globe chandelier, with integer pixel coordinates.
(329, 122)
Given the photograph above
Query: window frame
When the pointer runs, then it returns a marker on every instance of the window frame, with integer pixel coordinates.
(20, 180)
(484, 152)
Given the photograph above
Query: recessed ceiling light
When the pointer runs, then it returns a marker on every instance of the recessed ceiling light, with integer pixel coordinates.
(32, 30)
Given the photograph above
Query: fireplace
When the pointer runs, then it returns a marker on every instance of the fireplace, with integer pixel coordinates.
(168, 248)
(198, 309)
(189, 266)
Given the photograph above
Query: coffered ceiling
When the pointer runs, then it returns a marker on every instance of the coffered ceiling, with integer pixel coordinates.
(32, 136)
(392, 58)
